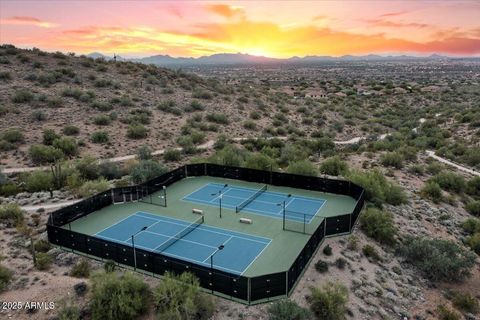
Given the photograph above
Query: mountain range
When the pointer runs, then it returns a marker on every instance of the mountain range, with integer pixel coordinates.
(243, 59)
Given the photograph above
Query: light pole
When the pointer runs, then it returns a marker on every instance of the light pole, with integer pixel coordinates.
(283, 204)
(220, 247)
(133, 246)
(220, 198)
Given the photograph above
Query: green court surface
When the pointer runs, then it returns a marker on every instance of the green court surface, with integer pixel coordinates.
(277, 256)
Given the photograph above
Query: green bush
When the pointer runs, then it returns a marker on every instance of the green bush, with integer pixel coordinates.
(137, 131)
(100, 137)
(42, 246)
(250, 125)
(473, 207)
(219, 118)
(261, 162)
(81, 269)
(92, 187)
(321, 266)
(102, 120)
(11, 214)
(287, 310)
(302, 167)
(67, 145)
(5, 277)
(333, 166)
(109, 266)
(144, 153)
(450, 181)
(370, 252)
(431, 190)
(68, 311)
(327, 250)
(22, 96)
(146, 170)
(38, 115)
(71, 130)
(329, 302)
(341, 263)
(473, 187)
(119, 297)
(171, 155)
(12, 136)
(378, 189)
(41, 154)
(38, 181)
(379, 225)
(474, 242)
(49, 135)
(465, 302)
(471, 225)
(88, 168)
(44, 260)
(179, 297)
(444, 313)
(439, 260)
(392, 159)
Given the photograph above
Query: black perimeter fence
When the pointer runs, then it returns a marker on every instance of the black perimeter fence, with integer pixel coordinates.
(249, 290)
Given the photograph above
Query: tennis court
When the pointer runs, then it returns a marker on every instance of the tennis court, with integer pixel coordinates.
(193, 242)
(260, 201)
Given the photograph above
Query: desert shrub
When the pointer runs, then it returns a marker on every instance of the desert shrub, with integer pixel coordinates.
(439, 260)
(444, 313)
(379, 225)
(416, 169)
(68, 311)
(102, 120)
(377, 188)
(333, 166)
(352, 242)
(250, 125)
(81, 269)
(172, 155)
(22, 96)
(49, 135)
(302, 167)
(287, 310)
(261, 162)
(71, 130)
(202, 94)
(6, 146)
(11, 214)
(450, 181)
(474, 242)
(100, 137)
(169, 106)
(370, 252)
(55, 102)
(120, 297)
(473, 207)
(473, 186)
(102, 106)
(144, 153)
(38, 181)
(229, 156)
(471, 225)
(465, 302)
(5, 75)
(42, 246)
(38, 115)
(341, 263)
(329, 301)
(255, 115)
(434, 168)
(12, 136)
(5, 277)
(194, 106)
(137, 131)
(44, 260)
(67, 145)
(92, 187)
(109, 266)
(431, 190)
(179, 297)
(146, 170)
(392, 159)
(219, 118)
(87, 168)
(109, 170)
(321, 266)
(327, 250)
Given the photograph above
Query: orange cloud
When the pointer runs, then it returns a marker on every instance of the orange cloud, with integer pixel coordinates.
(29, 21)
(393, 24)
(224, 10)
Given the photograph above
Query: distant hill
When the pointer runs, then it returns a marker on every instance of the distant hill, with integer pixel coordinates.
(246, 59)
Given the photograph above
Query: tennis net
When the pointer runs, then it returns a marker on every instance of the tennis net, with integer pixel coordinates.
(250, 199)
(180, 235)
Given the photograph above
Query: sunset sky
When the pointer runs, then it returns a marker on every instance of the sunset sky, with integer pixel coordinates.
(270, 28)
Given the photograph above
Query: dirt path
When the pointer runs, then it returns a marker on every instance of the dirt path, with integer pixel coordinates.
(450, 163)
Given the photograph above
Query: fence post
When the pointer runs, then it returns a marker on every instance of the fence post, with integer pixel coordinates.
(249, 290)
(186, 171)
(205, 173)
(286, 283)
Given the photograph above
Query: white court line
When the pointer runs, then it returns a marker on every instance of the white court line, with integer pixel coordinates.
(134, 214)
(261, 251)
(228, 189)
(217, 248)
(201, 227)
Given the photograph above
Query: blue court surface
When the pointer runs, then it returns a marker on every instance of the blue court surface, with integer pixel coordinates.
(240, 250)
(268, 203)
